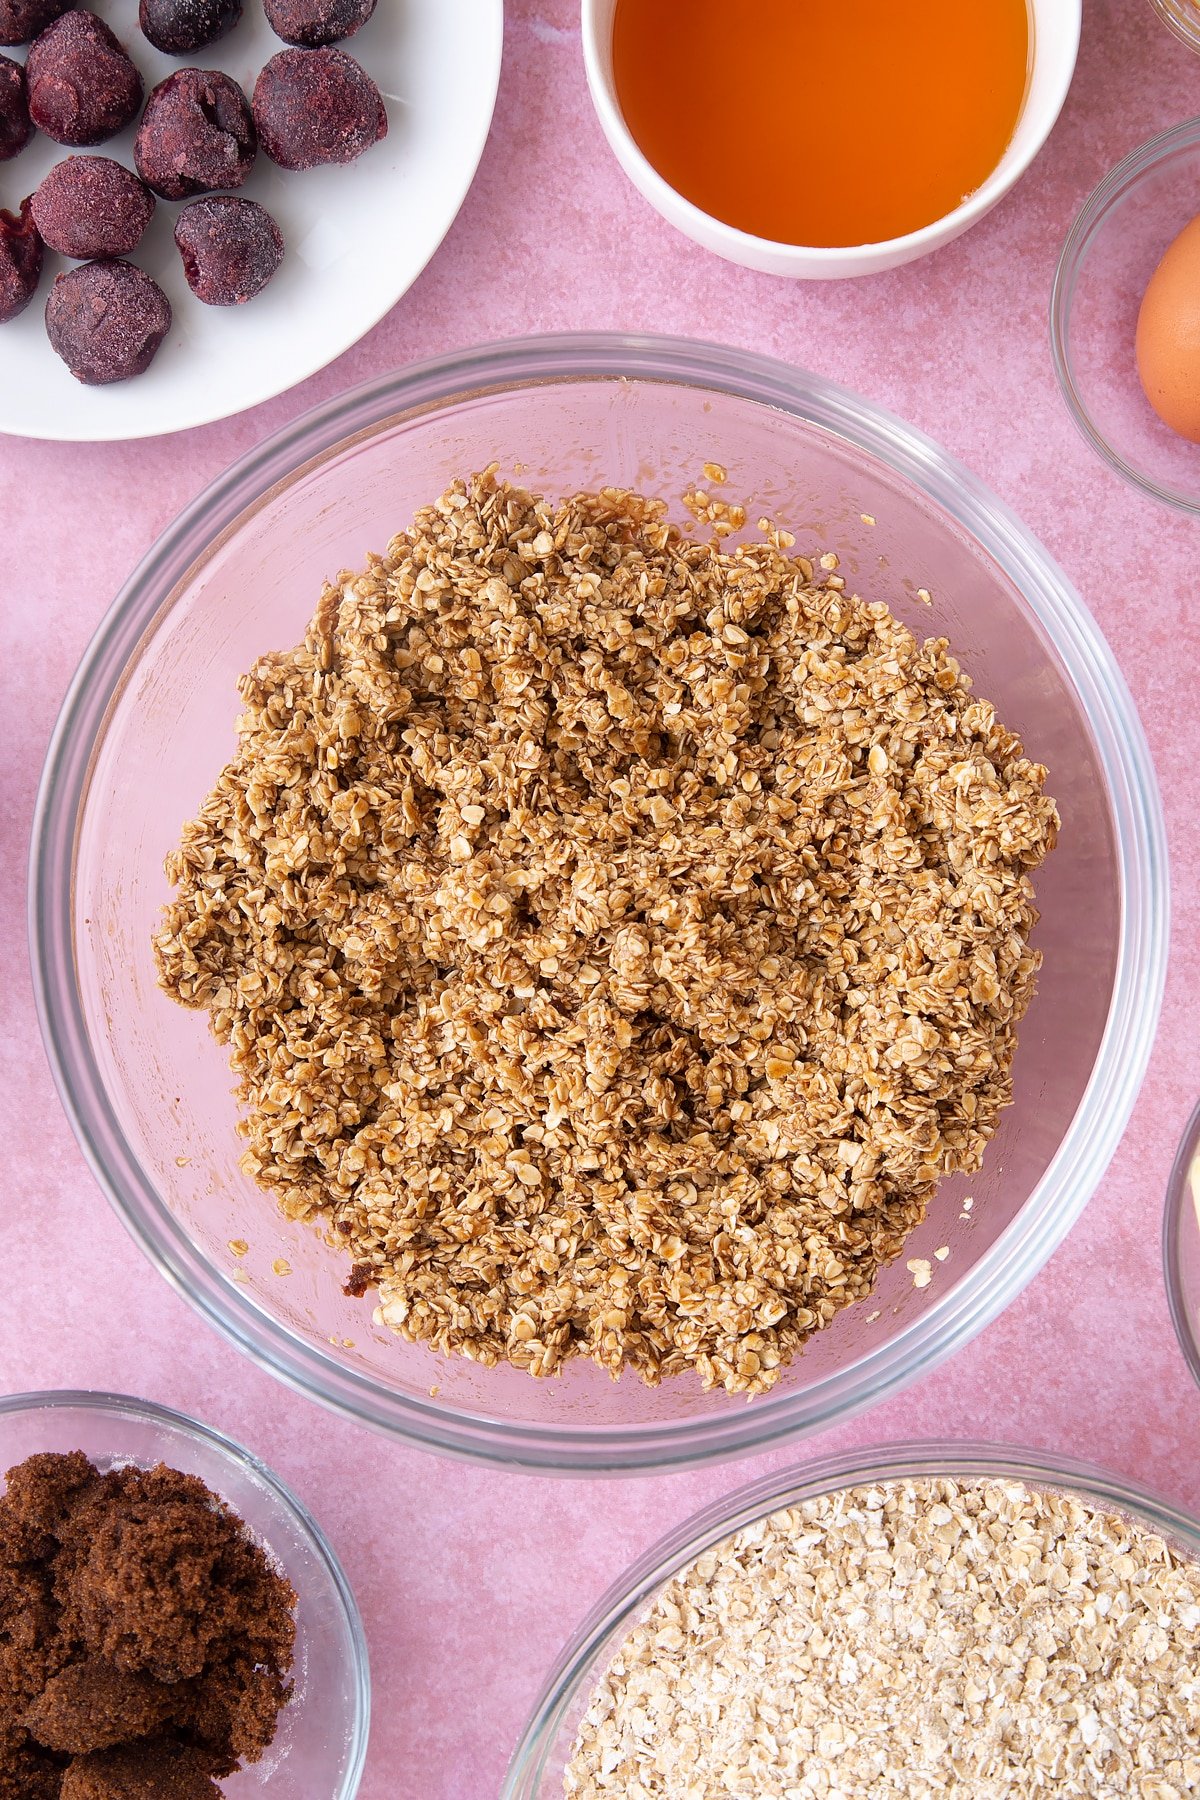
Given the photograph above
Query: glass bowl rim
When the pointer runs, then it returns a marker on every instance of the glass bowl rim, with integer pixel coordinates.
(1179, 1198)
(1120, 179)
(865, 1466)
(1117, 736)
(118, 1406)
(1187, 34)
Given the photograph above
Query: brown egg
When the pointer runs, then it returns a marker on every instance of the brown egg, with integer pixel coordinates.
(1168, 335)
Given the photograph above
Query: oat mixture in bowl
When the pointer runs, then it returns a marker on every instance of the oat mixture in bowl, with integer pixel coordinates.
(150, 723)
(616, 936)
(943, 1620)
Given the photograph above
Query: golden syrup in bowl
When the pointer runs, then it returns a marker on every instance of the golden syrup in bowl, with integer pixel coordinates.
(823, 122)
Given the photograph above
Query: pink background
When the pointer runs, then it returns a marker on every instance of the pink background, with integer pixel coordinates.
(470, 1580)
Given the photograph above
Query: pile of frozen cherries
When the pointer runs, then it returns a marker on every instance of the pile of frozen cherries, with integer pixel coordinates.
(199, 135)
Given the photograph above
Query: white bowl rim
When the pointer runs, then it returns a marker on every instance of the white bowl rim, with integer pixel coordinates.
(705, 228)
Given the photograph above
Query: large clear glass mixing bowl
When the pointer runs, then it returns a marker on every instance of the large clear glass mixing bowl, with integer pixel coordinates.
(150, 719)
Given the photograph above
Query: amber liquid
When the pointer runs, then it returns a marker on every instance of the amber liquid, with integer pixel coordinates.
(823, 122)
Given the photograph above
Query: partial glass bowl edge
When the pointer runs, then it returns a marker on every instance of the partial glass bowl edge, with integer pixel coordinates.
(1087, 234)
(1181, 1246)
(1182, 18)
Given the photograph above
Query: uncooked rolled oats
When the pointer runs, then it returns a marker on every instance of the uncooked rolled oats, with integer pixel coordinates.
(616, 936)
(980, 1640)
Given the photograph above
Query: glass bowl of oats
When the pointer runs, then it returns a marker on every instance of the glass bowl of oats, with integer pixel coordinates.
(615, 913)
(924, 1617)
(1181, 1243)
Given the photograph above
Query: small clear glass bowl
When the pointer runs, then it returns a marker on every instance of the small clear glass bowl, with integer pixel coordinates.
(536, 1769)
(149, 721)
(1183, 18)
(1112, 250)
(321, 1742)
(1181, 1244)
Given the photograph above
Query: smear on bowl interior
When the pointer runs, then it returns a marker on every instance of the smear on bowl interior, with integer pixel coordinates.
(837, 124)
(616, 935)
(909, 1638)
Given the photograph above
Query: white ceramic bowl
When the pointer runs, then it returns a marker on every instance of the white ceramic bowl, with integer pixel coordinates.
(1055, 42)
(438, 65)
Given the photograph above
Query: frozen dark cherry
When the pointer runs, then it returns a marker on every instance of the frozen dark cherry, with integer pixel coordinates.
(196, 134)
(316, 106)
(21, 20)
(311, 23)
(92, 206)
(16, 126)
(82, 86)
(181, 27)
(230, 249)
(20, 261)
(106, 320)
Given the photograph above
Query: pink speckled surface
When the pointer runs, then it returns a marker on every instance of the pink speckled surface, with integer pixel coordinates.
(470, 1580)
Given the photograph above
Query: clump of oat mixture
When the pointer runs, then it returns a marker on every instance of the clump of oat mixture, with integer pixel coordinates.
(616, 937)
(913, 1639)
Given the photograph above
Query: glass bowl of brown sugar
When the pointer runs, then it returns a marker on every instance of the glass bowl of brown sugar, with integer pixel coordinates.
(165, 1687)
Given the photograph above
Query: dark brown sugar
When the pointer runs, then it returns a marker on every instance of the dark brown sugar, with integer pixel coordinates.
(82, 86)
(16, 126)
(145, 1639)
(196, 134)
(94, 1706)
(30, 1774)
(148, 1594)
(142, 1774)
(92, 206)
(316, 106)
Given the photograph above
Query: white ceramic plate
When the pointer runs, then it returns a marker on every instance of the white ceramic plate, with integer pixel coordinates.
(357, 236)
